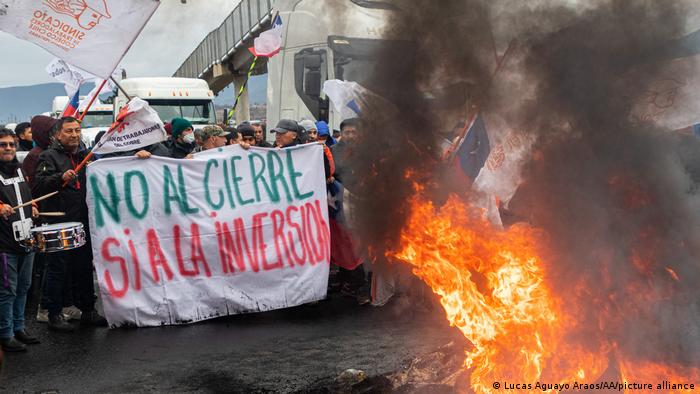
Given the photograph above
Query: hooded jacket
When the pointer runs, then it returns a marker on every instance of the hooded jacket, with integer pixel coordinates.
(41, 134)
(8, 244)
(53, 163)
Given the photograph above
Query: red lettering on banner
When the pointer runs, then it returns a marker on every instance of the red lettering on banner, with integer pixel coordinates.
(197, 254)
(299, 260)
(308, 240)
(157, 257)
(224, 257)
(260, 245)
(231, 251)
(242, 241)
(277, 217)
(323, 232)
(316, 242)
(178, 254)
(122, 264)
(135, 264)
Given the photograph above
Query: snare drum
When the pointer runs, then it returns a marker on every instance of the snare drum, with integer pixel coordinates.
(58, 237)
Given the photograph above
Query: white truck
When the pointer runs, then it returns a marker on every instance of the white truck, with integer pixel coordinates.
(99, 117)
(319, 45)
(188, 98)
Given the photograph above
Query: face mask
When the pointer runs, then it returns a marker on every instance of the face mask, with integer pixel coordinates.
(188, 138)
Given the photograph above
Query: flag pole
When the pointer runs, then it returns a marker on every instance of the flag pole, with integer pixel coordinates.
(240, 92)
(82, 116)
(121, 88)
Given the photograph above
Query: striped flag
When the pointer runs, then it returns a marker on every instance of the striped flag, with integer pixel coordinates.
(72, 107)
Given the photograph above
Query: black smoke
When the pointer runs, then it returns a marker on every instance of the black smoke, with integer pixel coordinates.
(616, 196)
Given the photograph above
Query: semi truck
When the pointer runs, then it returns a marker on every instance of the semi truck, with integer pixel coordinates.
(188, 98)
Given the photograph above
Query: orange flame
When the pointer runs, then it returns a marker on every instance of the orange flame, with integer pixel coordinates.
(492, 284)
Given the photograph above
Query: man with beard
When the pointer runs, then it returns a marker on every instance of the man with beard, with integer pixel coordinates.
(183, 139)
(55, 172)
(15, 259)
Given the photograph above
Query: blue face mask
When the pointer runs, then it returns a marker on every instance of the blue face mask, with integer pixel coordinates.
(188, 138)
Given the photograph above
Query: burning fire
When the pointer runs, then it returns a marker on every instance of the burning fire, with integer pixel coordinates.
(493, 285)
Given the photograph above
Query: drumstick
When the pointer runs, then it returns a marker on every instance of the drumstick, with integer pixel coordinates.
(34, 200)
(52, 214)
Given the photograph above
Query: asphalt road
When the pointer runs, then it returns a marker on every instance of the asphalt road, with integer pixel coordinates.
(300, 349)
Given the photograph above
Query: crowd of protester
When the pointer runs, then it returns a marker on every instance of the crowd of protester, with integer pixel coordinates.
(54, 148)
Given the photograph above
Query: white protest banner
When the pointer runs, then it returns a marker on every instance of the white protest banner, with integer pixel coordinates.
(137, 125)
(228, 232)
(93, 35)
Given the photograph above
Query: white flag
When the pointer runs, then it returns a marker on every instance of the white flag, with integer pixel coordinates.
(71, 77)
(269, 43)
(93, 35)
(137, 126)
(109, 86)
(346, 97)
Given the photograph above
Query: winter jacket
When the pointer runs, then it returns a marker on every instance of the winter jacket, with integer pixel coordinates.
(8, 195)
(53, 163)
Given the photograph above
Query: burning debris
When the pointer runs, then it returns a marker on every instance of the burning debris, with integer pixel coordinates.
(595, 274)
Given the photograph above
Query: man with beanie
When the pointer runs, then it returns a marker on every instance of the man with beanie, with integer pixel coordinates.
(247, 133)
(182, 140)
(310, 133)
(24, 133)
(15, 261)
(324, 134)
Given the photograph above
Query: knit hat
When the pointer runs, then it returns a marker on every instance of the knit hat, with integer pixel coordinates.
(308, 125)
(180, 125)
(322, 128)
(41, 130)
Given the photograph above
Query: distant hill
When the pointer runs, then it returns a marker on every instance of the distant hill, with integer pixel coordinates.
(20, 103)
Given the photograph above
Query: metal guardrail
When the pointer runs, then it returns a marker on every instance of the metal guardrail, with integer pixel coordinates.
(220, 44)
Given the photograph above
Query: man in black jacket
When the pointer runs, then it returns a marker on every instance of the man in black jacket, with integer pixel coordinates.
(54, 170)
(15, 260)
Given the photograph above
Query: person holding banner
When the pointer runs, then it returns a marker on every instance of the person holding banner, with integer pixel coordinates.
(16, 262)
(183, 139)
(286, 133)
(55, 173)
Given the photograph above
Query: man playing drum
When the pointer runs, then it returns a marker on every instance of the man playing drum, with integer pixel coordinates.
(15, 260)
(55, 173)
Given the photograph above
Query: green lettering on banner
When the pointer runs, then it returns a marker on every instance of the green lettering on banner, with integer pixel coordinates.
(293, 175)
(129, 194)
(185, 207)
(101, 203)
(207, 193)
(257, 175)
(277, 174)
(237, 179)
(169, 191)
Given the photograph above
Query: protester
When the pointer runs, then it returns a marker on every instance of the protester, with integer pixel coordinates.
(247, 133)
(41, 134)
(286, 133)
(323, 134)
(260, 135)
(308, 127)
(234, 137)
(213, 137)
(54, 170)
(336, 134)
(342, 153)
(24, 133)
(182, 139)
(17, 262)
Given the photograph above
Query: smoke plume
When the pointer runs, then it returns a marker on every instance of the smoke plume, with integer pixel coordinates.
(616, 196)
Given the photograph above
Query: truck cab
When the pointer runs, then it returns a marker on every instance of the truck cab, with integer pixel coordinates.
(188, 98)
(319, 45)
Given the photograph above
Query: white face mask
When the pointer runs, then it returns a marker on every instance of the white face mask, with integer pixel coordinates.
(188, 138)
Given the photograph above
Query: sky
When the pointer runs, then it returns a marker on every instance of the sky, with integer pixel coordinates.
(170, 36)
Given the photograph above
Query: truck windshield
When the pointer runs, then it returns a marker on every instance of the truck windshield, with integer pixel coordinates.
(97, 119)
(196, 111)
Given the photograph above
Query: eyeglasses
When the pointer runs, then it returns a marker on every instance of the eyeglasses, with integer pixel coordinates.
(4, 145)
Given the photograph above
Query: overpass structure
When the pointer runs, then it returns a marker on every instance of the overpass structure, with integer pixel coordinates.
(223, 58)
